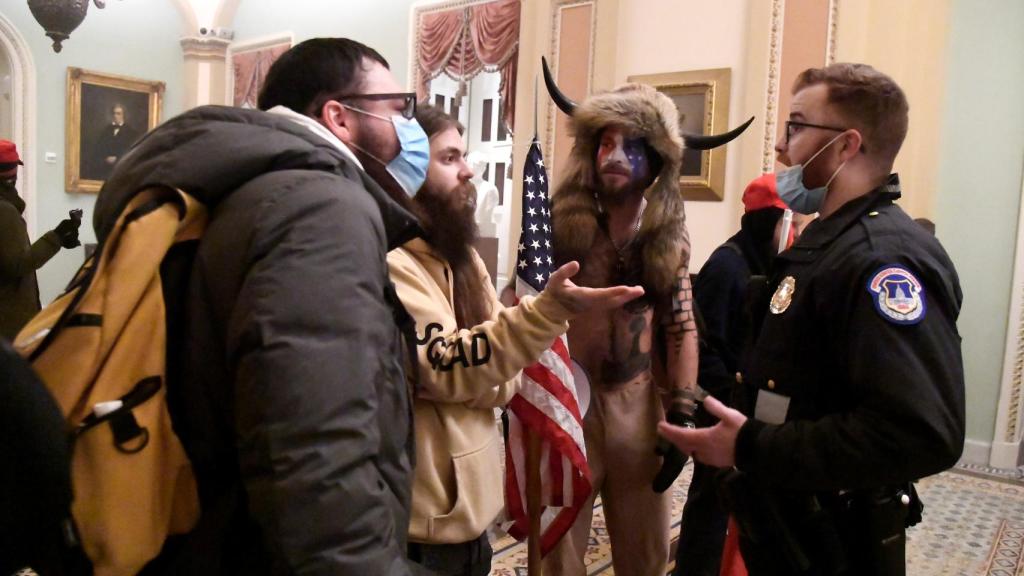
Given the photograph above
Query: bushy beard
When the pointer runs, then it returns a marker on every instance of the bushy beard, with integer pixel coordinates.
(448, 220)
(450, 227)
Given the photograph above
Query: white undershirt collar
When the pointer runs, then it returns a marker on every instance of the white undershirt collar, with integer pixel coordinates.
(316, 128)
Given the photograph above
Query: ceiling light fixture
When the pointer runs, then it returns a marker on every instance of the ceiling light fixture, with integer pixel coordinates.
(60, 17)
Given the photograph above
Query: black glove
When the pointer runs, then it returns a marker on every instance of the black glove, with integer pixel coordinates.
(674, 460)
(67, 229)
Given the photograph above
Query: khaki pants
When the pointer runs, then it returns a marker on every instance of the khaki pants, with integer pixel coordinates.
(620, 429)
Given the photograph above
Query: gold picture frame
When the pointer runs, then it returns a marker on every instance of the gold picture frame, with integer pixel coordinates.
(702, 97)
(94, 139)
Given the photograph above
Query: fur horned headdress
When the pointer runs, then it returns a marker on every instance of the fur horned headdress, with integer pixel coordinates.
(642, 111)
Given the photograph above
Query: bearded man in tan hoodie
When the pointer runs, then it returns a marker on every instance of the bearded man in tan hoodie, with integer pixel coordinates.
(469, 352)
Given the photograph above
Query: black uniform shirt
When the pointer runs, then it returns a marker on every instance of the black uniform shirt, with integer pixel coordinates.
(858, 359)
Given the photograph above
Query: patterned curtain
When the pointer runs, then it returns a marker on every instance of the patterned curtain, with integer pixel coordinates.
(251, 70)
(466, 41)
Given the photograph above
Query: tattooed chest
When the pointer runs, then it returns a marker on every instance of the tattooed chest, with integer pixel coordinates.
(629, 346)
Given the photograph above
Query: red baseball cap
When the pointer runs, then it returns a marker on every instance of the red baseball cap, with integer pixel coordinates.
(9, 155)
(761, 194)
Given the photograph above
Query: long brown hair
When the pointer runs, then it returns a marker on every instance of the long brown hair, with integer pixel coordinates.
(452, 232)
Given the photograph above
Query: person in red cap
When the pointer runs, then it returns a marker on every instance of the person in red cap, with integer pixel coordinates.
(19, 258)
(720, 292)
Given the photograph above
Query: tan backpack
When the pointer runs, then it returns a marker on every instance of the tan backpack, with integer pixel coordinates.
(100, 348)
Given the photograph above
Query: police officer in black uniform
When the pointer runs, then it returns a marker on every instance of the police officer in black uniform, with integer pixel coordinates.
(856, 378)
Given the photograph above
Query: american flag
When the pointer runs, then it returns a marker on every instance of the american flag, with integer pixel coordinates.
(547, 402)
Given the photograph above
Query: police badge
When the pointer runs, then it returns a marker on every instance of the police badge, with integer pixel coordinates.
(783, 295)
(897, 294)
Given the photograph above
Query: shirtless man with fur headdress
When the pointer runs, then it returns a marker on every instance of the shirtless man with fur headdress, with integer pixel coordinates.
(619, 212)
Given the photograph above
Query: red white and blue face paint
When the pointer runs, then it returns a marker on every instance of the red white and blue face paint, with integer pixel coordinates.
(622, 162)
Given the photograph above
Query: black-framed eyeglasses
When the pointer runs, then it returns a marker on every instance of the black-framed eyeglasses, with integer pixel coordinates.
(791, 124)
(408, 100)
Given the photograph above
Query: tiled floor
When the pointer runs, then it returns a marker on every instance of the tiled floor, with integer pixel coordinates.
(973, 526)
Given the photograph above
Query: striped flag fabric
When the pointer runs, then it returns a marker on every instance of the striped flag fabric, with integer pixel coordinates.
(547, 403)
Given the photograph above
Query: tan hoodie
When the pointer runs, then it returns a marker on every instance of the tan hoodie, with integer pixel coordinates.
(463, 375)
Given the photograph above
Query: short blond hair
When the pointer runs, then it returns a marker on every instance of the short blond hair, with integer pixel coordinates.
(868, 101)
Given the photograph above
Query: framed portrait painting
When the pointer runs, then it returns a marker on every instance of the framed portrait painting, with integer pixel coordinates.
(105, 115)
(702, 99)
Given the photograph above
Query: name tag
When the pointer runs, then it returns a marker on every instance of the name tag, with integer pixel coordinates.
(771, 408)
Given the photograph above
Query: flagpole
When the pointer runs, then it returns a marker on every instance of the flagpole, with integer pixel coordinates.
(533, 453)
(535, 106)
(533, 503)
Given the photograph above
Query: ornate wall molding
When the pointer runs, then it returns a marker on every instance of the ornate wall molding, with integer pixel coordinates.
(1008, 437)
(833, 26)
(771, 108)
(1012, 428)
(203, 48)
(23, 108)
(551, 112)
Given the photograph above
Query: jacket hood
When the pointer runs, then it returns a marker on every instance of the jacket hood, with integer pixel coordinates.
(662, 238)
(211, 151)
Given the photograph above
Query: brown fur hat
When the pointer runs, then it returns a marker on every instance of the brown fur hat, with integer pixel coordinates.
(662, 239)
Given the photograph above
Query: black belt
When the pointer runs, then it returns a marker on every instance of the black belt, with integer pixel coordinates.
(450, 557)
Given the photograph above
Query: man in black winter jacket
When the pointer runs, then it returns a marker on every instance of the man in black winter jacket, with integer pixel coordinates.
(291, 401)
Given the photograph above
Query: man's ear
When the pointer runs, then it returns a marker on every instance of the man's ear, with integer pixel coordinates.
(852, 143)
(338, 120)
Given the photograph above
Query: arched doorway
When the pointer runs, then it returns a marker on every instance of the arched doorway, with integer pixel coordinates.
(17, 110)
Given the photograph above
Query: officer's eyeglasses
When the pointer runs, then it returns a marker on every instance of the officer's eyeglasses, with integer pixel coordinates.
(408, 100)
(794, 126)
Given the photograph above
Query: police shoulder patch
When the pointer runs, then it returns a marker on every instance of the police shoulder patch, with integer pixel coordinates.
(897, 294)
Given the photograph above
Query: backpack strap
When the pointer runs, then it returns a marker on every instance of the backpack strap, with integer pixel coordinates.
(407, 326)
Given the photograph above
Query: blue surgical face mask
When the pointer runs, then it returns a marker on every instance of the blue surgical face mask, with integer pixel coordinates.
(791, 189)
(409, 168)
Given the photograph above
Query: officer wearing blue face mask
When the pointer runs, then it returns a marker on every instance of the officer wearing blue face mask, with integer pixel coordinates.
(855, 382)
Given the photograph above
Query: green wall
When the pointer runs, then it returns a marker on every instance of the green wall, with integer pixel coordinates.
(978, 198)
(380, 24)
(138, 38)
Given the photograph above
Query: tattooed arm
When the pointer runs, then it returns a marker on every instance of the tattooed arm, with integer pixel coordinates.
(680, 328)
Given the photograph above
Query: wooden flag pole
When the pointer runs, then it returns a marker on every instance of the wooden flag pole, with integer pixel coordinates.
(533, 502)
(535, 106)
(533, 453)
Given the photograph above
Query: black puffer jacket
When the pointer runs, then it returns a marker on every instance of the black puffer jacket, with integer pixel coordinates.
(290, 399)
